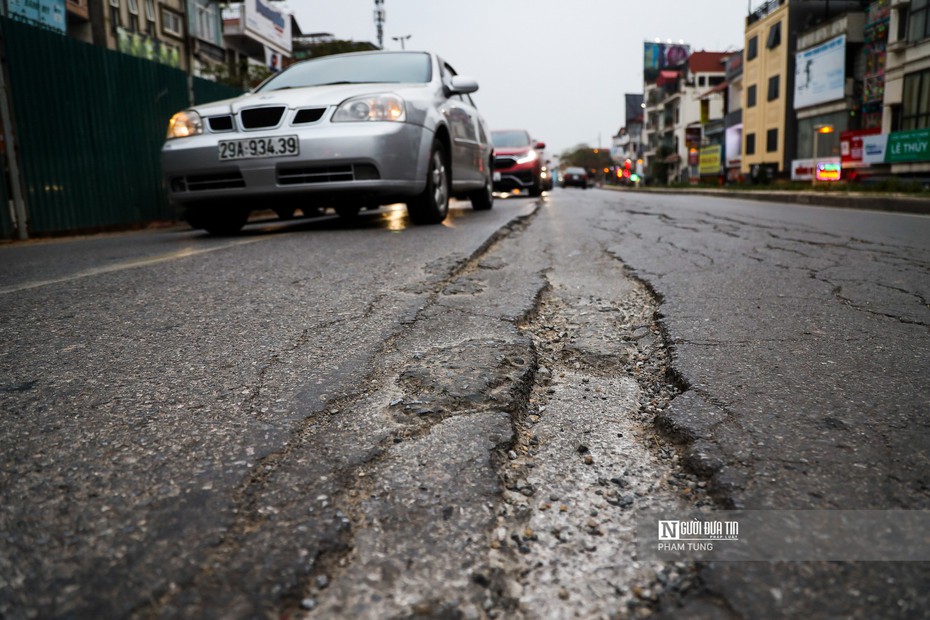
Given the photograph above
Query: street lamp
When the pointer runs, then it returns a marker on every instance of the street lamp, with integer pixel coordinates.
(402, 40)
(818, 129)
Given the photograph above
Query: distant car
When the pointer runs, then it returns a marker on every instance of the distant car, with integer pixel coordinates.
(345, 131)
(518, 162)
(575, 177)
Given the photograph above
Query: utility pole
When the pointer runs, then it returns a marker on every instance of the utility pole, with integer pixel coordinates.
(379, 21)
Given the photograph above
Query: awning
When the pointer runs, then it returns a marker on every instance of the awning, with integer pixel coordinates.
(666, 76)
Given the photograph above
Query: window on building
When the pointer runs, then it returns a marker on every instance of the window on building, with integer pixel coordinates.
(918, 21)
(702, 81)
(115, 18)
(133, 14)
(751, 96)
(915, 107)
(150, 16)
(171, 23)
(771, 140)
(715, 80)
(774, 39)
(206, 23)
(750, 144)
(752, 48)
(774, 83)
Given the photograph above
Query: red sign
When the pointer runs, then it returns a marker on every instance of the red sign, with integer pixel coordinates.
(851, 146)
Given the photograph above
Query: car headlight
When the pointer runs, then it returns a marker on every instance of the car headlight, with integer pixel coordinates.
(531, 155)
(184, 124)
(371, 108)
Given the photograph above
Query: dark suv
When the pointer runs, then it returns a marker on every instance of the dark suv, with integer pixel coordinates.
(518, 162)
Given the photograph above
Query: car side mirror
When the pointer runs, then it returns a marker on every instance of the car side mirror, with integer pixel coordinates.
(461, 85)
(540, 146)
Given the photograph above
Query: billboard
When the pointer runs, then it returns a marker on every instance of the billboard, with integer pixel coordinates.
(658, 56)
(43, 13)
(269, 25)
(852, 148)
(820, 73)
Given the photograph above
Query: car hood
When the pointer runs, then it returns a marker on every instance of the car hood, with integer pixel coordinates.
(320, 96)
(512, 151)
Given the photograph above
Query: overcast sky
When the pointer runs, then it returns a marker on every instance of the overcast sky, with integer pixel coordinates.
(558, 68)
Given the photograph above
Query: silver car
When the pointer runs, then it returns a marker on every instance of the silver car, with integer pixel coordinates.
(345, 131)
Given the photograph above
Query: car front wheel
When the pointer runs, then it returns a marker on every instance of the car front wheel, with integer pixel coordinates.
(483, 199)
(432, 205)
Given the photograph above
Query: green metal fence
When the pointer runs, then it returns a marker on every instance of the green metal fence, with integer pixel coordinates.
(89, 125)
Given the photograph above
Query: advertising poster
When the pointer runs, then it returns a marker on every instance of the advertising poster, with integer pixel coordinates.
(658, 56)
(48, 14)
(268, 24)
(851, 147)
(873, 149)
(820, 73)
(711, 159)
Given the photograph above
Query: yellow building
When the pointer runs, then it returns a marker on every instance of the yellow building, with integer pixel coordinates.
(773, 137)
(767, 78)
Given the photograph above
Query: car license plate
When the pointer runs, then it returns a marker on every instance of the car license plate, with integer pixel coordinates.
(249, 148)
(497, 176)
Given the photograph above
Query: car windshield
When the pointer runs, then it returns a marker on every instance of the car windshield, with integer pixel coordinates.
(510, 139)
(392, 68)
(575, 171)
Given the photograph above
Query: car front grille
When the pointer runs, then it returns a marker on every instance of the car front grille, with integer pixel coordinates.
(502, 163)
(221, 123)
(308, 115)
(327, 174)
(261, 118)
(201, 182)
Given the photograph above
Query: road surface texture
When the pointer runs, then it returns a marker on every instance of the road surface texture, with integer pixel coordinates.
(321, 419)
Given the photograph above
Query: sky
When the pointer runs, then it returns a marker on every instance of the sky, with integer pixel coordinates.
(557, 68)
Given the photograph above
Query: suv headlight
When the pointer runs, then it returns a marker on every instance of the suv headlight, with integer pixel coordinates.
(184, 124)
(527, 157)
(371, 108)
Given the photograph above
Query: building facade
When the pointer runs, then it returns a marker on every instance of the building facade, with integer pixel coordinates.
(771, 139)
(906, 118)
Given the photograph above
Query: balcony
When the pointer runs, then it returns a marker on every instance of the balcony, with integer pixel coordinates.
(766, 9)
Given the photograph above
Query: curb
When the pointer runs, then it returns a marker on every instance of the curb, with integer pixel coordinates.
(898, 203)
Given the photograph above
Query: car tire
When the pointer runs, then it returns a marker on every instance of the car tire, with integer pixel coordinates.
(218, 221)
(483, 199)
(536, 188)
(432, 205)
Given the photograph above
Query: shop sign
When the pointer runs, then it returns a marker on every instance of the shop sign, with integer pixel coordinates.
(852, 151)
(908, 146)
(711, 158)
(829, 171)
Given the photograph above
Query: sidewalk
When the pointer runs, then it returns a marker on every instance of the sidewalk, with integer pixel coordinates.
(901, 203)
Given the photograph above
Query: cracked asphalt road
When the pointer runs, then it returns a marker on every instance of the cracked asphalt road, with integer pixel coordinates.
(318, 420)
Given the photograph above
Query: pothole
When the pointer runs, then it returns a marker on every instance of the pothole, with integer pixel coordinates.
(587, 466)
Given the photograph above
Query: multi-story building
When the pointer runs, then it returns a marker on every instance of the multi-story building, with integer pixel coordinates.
(674, 114)
(199, 36)
(733, 119)
(257, 33)
(828, 91)
(906, 119)
(770, 126)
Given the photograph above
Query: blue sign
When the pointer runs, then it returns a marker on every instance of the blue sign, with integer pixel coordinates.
(49, 14)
